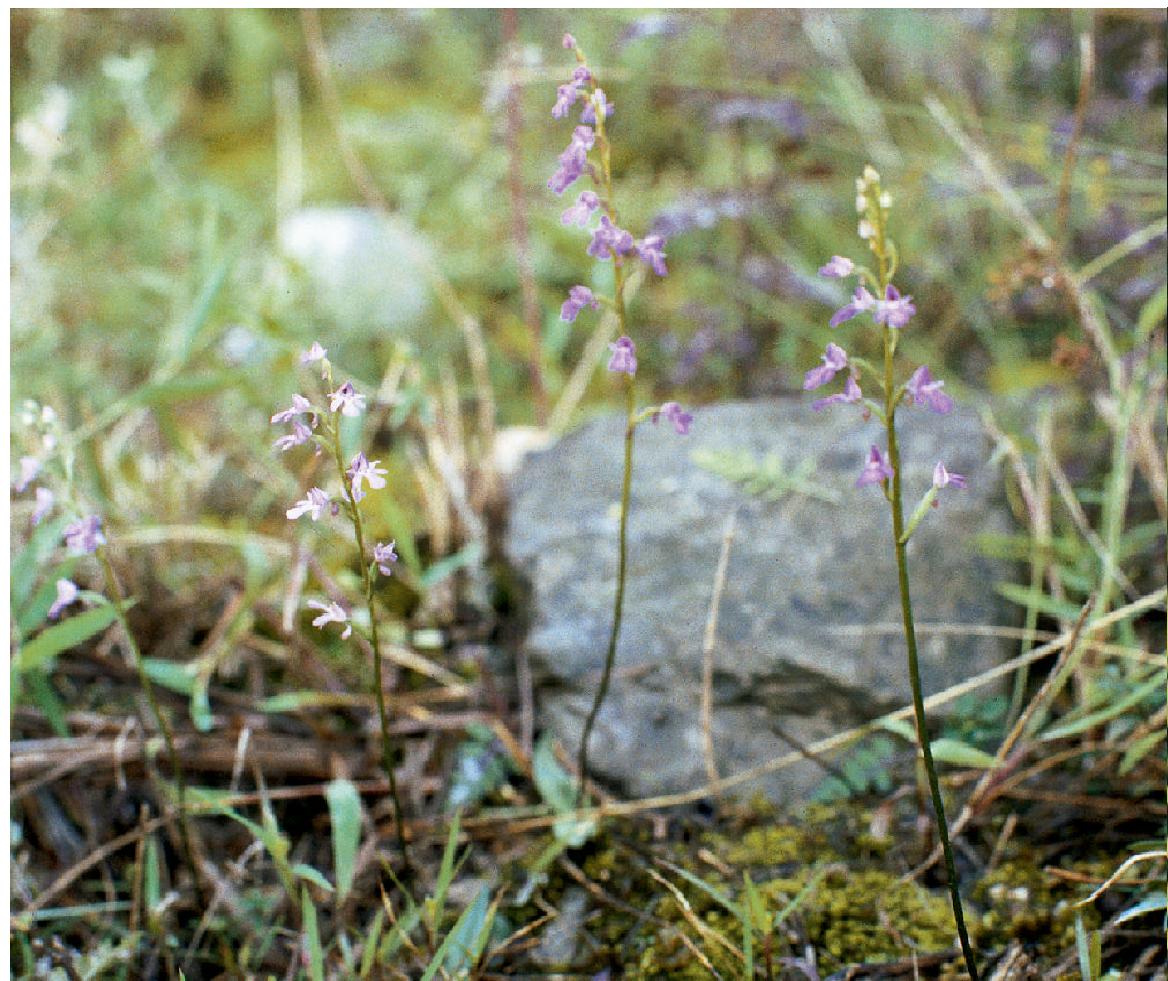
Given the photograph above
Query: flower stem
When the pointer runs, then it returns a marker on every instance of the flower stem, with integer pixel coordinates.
(114, 588)
(910, 638)
(378, 689)
(619, 601)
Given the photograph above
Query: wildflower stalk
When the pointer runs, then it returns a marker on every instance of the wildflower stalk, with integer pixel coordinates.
(387, 747)
(892, 397)
(114, 589)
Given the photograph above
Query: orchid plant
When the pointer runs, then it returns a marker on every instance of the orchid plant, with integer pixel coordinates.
(891, 312)
(319, 423)
(590, 153)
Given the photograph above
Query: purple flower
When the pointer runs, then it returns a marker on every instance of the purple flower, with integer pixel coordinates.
(383, 555)
(674, 413)
(876, 470)
(579, 297)
(314, 504)
(300, 435)
(849, 396)
(67, 593)
(838, 268)
(347, 399)
(582, 210)
(314, 353)
(835, 359)
(925, 391)
(894, 310)
(362, 469)
(84, 536)
(30, 466)
(861, 300)
(624, 356)
(574, 159)
(300, 405)
(943, 478)
(44, 504)
(566, 95)
(588, 113)
(331, 613)
(649, 250)
(569, 42)
(609, 241)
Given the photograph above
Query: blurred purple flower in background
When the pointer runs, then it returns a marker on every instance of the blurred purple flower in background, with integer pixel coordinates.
(839, 267)
(30, 466)
(943, 478)
(44, 504)
(649, 249)
(675, 414)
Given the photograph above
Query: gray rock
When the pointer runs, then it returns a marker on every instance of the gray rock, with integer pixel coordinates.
(367, 271)
(561, 938)
(802, 571)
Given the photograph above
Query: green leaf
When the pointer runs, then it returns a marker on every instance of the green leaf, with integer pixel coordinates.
(396, 937)
(1139, 749)
(446, 567)
(151, 881)
(1090, 949)
(558, 790)
(1152, 313)
(315, 876)
(1154, 903)
(23, 571)
(1037, 599)
(171, 674)
(461, 947)
(50, 642)
(754, 904)
(901, 727)
(42, 694)
(184, 388)
(435, 903)
(201, 703)
(372, 938)
(954, 751)
(344, 804)
(1092, 719)
(312, 936)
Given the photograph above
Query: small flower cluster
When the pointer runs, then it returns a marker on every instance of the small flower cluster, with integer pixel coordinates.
(608, 240)
(307, 420)
(892, 311)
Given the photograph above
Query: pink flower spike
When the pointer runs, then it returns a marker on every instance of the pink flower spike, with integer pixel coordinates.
(835, 359)
(839, 267)
(331, 613)
(67, 593)
(943, 478)
(313, 505)
(347, 400)
(876, 469)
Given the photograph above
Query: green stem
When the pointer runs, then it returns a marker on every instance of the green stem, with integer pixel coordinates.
(895, 500)
(378, 689)
(114, 588)
(618, 603)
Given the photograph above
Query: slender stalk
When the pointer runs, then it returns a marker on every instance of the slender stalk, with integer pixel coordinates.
(114, 588)
(896, 502)
(619, 601)
(378, 689)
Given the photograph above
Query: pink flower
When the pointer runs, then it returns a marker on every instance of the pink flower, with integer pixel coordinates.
(362, 469)
(894, 310)
(624, 356)
(943, 478)
(925, 391)
(29, 467)
(84, 536)
(331, 613)
(675, 414)
(314, 353)
(569, 42)
(300, 434)
(300, 405)
(44, 504)
(383, 555)
(835, 359)
(849, 396)
(862, 300)
(838, 267)
(876, 470)
(67, 593)
(581, 211)
(347, 400)
(313, 505)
